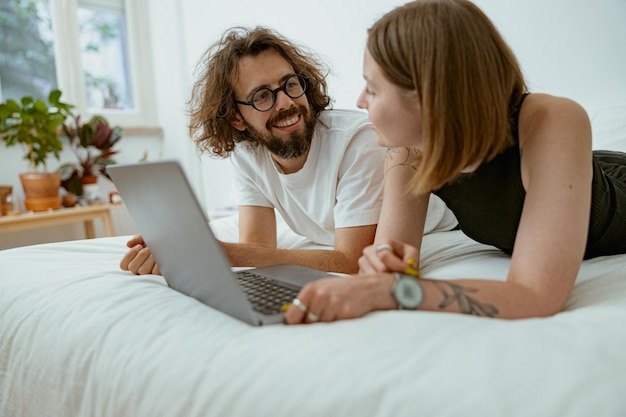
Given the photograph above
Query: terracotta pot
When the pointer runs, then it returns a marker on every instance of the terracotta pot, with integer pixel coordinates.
(41, 190)
(89, 179)
(43, 203)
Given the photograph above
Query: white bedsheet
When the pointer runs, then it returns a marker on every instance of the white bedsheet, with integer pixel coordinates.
(79, 337)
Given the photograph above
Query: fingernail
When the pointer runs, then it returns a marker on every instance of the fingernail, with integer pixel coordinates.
(284, 307)
(412, 271)
(412, 262)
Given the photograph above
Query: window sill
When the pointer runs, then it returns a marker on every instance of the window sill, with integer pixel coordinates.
(143, 131)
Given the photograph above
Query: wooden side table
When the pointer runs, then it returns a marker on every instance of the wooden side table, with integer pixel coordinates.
(76, 214)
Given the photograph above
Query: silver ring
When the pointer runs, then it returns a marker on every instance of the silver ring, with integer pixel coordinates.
(383, 247)
(300, 305)
(312, 317)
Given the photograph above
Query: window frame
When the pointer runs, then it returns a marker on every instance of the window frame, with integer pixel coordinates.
(70, 74)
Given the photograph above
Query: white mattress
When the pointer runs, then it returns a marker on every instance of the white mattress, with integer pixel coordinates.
(79, 337)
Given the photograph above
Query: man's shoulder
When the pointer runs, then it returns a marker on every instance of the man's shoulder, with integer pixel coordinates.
(344, 119)
(344, 132)
(247, 155)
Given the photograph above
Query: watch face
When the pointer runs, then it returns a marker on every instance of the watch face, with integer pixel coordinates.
(408, 293)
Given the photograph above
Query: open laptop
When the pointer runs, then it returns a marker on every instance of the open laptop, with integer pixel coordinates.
(175, 228)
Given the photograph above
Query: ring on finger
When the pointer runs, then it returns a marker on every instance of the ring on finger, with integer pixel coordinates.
(312, 317)
(384, 246)
(300, 305)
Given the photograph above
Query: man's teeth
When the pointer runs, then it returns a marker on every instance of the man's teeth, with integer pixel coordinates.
(287, 122)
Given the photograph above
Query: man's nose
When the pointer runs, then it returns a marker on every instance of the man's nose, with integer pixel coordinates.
(283, 101)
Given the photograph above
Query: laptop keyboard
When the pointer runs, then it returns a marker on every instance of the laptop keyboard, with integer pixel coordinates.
(265, 295)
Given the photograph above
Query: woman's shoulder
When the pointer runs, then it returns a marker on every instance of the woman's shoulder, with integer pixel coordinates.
(538, 106)
(542, 112)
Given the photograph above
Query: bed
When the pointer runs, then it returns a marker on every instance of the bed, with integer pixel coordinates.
(79, 337)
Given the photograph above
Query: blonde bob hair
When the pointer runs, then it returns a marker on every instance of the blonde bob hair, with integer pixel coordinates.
(466, 77)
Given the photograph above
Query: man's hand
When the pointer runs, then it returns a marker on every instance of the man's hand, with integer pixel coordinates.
(138, 259)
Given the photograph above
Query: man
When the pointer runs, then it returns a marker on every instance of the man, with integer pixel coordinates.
(262, 101)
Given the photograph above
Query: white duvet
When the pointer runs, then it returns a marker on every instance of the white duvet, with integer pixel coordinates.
(79, 337)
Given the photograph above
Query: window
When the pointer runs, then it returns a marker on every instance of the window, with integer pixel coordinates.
(27, 54)
(93, 50)
(104, 56)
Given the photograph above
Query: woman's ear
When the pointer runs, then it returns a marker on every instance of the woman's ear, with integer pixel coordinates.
(238, 123)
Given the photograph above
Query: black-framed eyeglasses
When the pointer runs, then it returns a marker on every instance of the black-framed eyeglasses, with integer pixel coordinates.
(263, 99)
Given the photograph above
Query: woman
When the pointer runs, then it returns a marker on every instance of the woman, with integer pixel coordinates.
(446, 94)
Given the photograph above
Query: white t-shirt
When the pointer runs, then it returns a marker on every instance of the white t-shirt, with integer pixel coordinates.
(340, 184)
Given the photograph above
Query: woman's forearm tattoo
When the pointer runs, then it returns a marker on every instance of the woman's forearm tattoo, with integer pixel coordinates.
(454, 293)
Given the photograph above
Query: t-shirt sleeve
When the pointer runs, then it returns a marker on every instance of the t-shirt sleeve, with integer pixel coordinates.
(360, 181)
(244, 191)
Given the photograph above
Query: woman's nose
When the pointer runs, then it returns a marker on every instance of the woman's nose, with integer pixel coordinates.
(361, 103)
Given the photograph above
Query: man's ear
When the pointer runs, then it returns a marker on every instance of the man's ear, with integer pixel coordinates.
(238, 123)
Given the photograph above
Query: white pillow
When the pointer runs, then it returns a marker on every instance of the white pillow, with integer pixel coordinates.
(608, 126)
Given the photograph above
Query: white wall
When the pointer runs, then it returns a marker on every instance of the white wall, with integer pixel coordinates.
(573, 48)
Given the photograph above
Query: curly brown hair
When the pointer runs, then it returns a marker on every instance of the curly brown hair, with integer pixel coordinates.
(212, 105)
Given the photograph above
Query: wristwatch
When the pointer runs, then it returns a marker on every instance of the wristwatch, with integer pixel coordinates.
(407, 292)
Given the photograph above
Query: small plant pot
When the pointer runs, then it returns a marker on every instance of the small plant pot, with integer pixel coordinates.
(41, 190)
(90, 187)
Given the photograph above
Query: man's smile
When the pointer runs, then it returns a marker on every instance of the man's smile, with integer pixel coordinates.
(288, 122)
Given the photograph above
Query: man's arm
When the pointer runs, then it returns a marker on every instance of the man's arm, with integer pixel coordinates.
(258, 247)
(257, 226)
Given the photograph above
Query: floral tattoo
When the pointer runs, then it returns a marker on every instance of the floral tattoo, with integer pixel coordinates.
(454, 293)
(390, 154)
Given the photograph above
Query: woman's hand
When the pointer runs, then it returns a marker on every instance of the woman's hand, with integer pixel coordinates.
(389, 255)
(340, 298)
(139, 259)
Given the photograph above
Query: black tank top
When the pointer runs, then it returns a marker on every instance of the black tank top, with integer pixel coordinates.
(488, 202)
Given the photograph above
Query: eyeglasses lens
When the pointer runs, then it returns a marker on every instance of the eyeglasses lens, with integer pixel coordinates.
(294, 87)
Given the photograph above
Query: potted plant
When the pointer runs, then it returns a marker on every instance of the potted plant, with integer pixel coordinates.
(35, 126)
(92, 144)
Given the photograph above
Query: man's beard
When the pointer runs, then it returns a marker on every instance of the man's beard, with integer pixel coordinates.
(296, 145)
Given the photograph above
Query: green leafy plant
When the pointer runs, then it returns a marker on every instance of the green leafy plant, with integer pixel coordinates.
(93, 145)
(36, 126)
